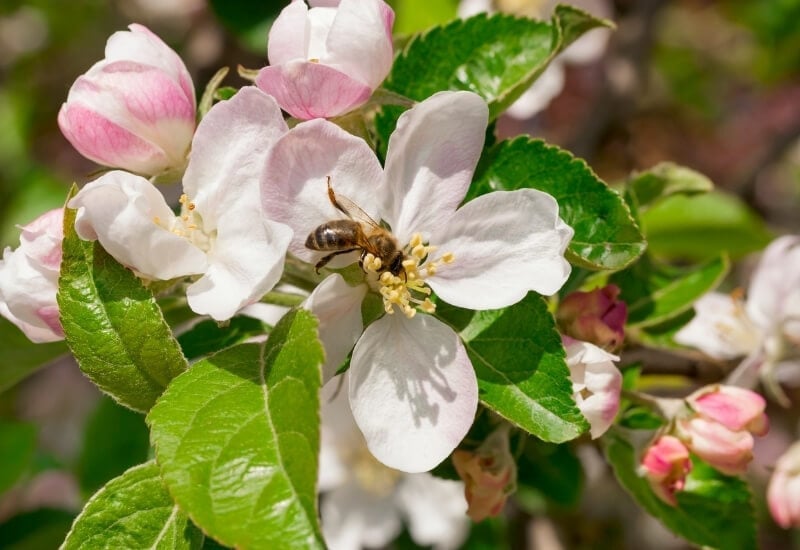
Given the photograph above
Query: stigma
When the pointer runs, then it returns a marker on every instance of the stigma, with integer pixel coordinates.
(408, 290)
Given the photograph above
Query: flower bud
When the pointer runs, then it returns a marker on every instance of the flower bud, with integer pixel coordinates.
(596, 384)
(783, 493)
(29, 279)
(326, 61)
(666, 464)
(135, 109)
(489, 474)
(721, 427)
(596, 316)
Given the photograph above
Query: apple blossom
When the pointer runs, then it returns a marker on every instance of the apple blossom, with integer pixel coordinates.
(596, 383)
(596, 316)
(765, 328)
(588, 48)
(487, 254)
(327, 60)
(666, 464)
(363, 501)
(783, 492)
(721, 427)
(29, 278)
(489, 473)
(135, 109)
(221, 234)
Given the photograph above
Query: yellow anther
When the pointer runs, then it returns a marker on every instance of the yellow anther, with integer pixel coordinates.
(448, 257)
(191, 206)
(419, 251)
(416, 240)
(427, 306)
(184, 199)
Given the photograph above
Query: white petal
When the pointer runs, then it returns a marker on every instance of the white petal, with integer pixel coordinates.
(294, 185)
(720, 328)
(128, 216)
(229, 151)
(337, 306)
(436, 509)
(505, 243)
(597, 383)
(360, 40)
(774, 280)
(352, 519)
(339, 435)
(430, 160)
(413, 391)
(288, 35)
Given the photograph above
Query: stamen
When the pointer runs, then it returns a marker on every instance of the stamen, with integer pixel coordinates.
(408, 292)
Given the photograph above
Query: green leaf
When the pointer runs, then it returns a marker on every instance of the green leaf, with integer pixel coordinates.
(657, 292)
(412, 16)
(663, 180)
(497, 57)
(133, 510)
(237, 438)
(113, 325)
(713, 510)
(661, 335)
(521, 369)
(606, 236)
(208, 336)
(725, 223)
(21, 357)
(114, 440)
(17, 447)
(553, 471)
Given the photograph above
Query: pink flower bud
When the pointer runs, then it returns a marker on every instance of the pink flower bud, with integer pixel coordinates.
(326, 61)
(596, 317)
(489, 474)
(29, 279)
(735, 408)
(721, 428)
(783, 493)
(596, 383)
(666, 464)
(135, 109)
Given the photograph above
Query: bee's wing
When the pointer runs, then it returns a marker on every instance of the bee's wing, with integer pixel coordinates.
(350, 209)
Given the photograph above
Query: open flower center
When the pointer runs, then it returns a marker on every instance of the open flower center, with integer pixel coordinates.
(408, 290)
(188, 225)
(740, 332)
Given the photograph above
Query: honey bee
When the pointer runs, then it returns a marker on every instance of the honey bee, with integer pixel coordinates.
(357, 232)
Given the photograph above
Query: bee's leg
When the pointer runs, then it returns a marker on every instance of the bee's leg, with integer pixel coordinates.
(334, 202)
(325, 259)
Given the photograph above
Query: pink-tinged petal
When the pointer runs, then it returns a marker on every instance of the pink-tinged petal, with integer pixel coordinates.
(101, 140)
(783, 493)
(597, 384)
(505, 243)
(360, 40)
(337, 307)
(735, 408)
(133, 223)
(294, 184)
(143, 46)
(353, 518)
(28, 296)
(665, 464)
(430, 160)
(41, 239)
(775, 279)
(720, 328)
(221, 181)
(726, 450)
(288, 36)
(435, 508)
(309, 90)
(413, 391)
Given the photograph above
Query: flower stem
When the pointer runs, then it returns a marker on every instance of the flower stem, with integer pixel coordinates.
(283, 298)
